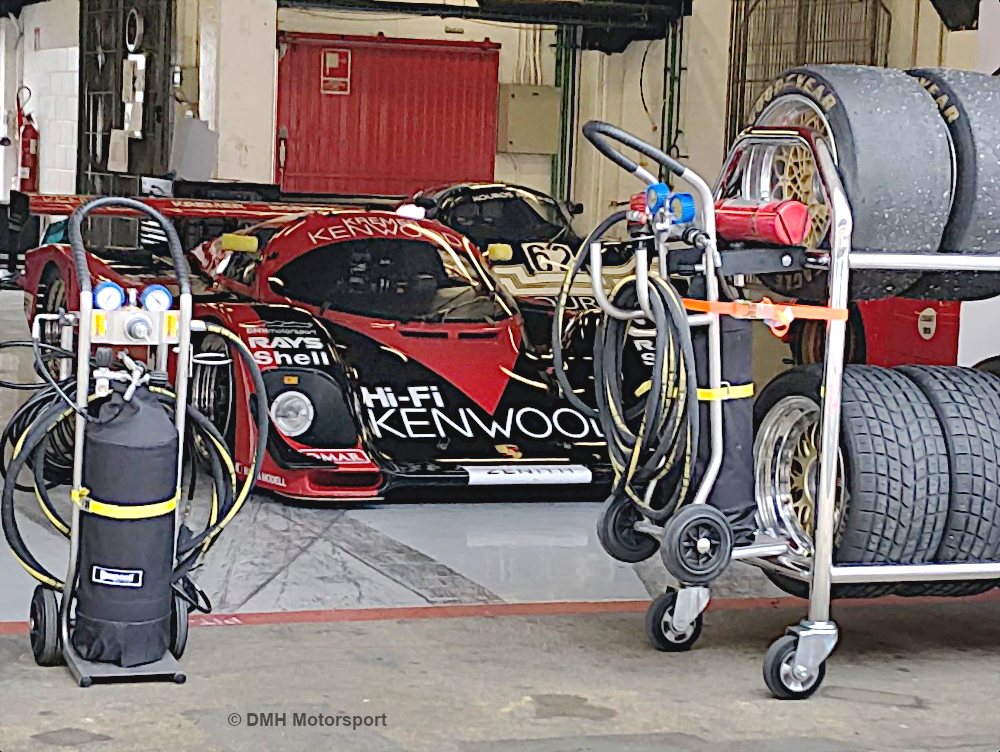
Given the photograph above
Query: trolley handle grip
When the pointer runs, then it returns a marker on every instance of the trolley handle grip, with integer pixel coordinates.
(80, 252)
(601, 134)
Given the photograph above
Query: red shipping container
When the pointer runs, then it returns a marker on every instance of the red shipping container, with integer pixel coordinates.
(385, 116)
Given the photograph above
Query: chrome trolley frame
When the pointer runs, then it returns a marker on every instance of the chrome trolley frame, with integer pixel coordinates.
(816, 635)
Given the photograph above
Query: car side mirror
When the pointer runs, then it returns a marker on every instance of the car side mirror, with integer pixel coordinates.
(499, 252)
(428, 204)
(237, 243)
(575, 210)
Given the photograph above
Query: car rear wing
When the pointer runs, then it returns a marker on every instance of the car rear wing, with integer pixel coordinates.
(181, 208)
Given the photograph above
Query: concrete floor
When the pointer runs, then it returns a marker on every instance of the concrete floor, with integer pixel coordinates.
(333, 592)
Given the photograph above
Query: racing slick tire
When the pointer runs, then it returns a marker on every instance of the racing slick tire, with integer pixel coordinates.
(966, 402)
(900, 189)
(969, 104)
(893, 481)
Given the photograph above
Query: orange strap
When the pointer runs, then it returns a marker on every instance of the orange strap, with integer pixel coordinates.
(778, 316)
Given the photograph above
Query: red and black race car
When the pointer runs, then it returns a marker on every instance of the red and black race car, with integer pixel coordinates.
(392, 356)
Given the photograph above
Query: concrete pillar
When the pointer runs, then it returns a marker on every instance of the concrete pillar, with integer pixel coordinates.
(237, 84)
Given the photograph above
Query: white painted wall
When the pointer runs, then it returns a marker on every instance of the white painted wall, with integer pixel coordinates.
(10, 79)
(50, 57)
(237, 84)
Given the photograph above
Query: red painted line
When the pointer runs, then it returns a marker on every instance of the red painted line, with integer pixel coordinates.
(493, 610)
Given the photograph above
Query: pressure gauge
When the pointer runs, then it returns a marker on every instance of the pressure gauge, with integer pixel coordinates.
(109, 296)
(156, 298)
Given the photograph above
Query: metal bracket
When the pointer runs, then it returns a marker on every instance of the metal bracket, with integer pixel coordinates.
(691, 603)
(736, 261)
(816, 641)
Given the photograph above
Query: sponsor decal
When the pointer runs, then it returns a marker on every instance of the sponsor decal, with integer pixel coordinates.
(521, 475)
(276, 344)
(351, 226)
(338, 456)
(127, 578)
(420, 412)
(949, 111)
(494, 196)
(510, 450)
(274, 480)
(646, 345)
(927, 323)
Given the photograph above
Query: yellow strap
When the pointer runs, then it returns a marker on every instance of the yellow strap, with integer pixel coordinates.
(123, 511)
(727, 392)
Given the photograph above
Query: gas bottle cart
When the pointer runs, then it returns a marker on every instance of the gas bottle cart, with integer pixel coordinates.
(694, 539)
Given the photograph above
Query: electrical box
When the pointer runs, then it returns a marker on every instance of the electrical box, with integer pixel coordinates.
(528, 119)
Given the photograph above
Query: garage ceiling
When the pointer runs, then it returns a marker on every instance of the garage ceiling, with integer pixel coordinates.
(607, 25)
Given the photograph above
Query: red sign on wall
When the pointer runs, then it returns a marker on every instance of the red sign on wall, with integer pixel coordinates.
(336, 78)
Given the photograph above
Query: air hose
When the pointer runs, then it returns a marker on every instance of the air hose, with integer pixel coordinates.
(655, 438)
(43, 428)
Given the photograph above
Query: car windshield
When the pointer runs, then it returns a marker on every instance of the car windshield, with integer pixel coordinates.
(508, 215)
(399, 280)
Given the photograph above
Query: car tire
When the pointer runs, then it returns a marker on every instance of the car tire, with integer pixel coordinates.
(860, 109)
(895, 469)
(966, 402)
(969, 105)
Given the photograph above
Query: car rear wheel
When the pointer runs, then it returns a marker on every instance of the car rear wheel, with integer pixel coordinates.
(212, 382)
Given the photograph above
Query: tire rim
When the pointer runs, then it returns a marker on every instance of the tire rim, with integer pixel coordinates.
(51, 332)
(787, 673)
(212, 382)
(786, 173)
(671, 634)
(786, 455)
(700, 544)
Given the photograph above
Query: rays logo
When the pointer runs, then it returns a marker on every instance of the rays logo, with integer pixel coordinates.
(420, 412)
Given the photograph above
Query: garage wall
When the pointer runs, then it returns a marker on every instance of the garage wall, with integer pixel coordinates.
(527, 169)
(50, 65)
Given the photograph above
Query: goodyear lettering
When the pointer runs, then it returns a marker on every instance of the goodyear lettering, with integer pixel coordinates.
(949, 111)
(801, 82)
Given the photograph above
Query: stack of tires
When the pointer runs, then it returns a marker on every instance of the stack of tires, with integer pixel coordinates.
(919, 476)
(919, 155)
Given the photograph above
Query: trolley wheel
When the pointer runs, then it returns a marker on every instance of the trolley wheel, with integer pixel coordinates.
(779, 673)
(659, 626)
(44, 627)
(178, 626)
(697, 544)
(617, 534)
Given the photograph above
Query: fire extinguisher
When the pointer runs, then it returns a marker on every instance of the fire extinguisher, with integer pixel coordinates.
(29, 135)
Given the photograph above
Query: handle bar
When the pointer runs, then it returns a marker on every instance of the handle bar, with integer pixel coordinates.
(80, 251)
(601, 134)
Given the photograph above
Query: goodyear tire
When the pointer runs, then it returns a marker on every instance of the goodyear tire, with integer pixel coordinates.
(894, 483)
(899, 187)
(969, 105)
(967, 403)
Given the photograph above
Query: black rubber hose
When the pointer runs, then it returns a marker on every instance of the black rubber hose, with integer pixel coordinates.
(558, 362)
(599, 133)
(75, 229)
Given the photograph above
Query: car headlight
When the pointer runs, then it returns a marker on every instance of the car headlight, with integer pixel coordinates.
(293, 413)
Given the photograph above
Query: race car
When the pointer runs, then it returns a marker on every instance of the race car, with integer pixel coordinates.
(529, 239)
(392, 356)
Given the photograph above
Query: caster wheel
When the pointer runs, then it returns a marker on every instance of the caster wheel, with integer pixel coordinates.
(659, 631)
(697, 544)
(86, 682)
(180, 678)
(178, 626)
(43, 623)
(617, 534)
(778, 671)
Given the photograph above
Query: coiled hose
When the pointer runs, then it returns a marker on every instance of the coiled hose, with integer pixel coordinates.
(37, 431)
(656, 438)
